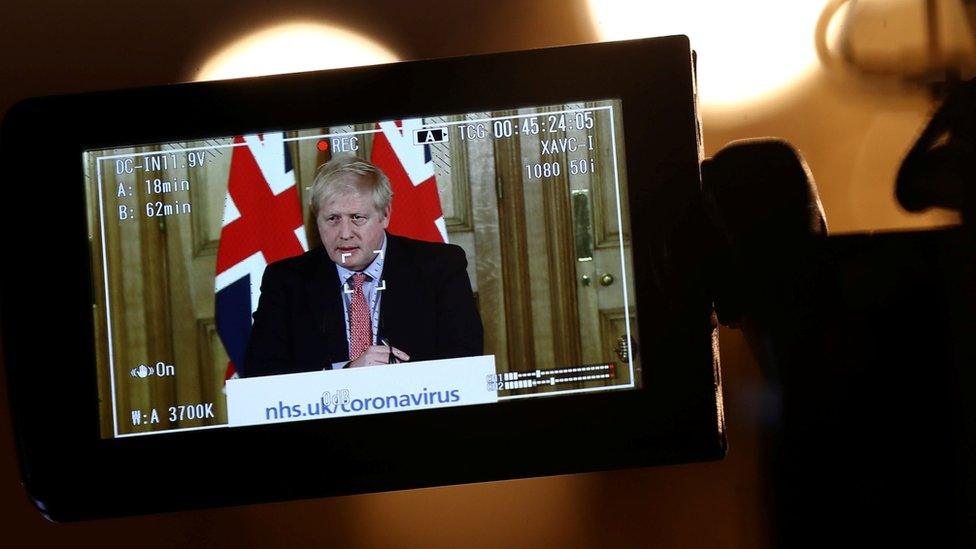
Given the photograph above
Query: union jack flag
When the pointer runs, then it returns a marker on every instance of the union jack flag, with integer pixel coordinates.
(416, 205)
(262, 224)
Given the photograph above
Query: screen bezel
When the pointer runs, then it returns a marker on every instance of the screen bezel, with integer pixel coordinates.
(72, 473)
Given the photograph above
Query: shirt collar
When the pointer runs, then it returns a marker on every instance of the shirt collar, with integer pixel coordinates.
(374, 270)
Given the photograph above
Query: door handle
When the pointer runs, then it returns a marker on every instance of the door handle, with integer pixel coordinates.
(582, 226)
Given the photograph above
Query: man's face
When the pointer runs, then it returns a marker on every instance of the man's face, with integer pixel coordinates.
(351, 228)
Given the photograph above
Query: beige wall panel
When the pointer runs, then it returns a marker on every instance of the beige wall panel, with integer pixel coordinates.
(488, 269)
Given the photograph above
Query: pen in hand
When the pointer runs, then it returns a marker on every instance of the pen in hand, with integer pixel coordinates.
(393, 358)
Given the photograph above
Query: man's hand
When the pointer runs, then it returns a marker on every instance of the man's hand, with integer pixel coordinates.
(378, 354)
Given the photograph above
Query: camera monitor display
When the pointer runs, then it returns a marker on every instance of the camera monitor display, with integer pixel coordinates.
(384, 266)
(416, 274)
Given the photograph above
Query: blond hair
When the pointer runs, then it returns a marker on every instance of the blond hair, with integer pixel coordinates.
(347, 173)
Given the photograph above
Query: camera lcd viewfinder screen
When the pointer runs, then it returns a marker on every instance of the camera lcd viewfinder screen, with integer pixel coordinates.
(368, 268)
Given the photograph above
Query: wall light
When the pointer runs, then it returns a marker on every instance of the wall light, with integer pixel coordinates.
(748, 50)
(294, 47)
(913, 40)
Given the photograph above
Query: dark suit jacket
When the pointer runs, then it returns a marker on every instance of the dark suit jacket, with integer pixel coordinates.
(427, 309)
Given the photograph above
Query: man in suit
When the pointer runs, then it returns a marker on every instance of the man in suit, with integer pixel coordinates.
(365, 297)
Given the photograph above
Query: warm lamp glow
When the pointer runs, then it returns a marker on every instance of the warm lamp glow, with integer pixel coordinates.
(294, 47)
(748, 50)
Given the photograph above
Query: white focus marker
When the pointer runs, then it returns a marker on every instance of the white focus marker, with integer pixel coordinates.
(382, 285)
(344, 256)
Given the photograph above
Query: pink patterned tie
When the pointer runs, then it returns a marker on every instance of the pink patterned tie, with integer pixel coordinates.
(360, 323)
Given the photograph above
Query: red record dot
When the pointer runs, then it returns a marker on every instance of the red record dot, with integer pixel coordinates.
(323, 145)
